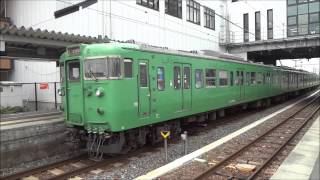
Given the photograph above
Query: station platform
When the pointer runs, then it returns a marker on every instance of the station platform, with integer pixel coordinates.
(303, 161)
(312, 138)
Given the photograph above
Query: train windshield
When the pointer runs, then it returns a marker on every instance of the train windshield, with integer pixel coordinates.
(103, 68)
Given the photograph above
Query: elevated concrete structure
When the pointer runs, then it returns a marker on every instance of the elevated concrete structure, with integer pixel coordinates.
(268, 51)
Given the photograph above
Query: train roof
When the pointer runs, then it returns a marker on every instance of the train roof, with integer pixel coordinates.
(205, 54)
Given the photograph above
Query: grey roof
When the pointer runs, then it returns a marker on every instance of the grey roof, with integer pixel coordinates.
(50, 35)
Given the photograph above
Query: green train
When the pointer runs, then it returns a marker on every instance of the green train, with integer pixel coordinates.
(119, 96)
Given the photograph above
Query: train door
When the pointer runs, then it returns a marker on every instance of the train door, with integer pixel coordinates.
(144, 89)
(240, 76)
(182, 86)
(74, 93)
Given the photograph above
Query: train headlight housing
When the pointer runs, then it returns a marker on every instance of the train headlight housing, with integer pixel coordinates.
(99, 92)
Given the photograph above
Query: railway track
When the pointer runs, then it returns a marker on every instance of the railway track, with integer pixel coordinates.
(253, 154)
(264, 148)
(74, 167)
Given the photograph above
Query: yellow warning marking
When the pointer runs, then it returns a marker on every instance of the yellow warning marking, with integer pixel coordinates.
(165, 134)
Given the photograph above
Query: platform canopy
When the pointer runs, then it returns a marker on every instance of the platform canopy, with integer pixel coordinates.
(24, 42)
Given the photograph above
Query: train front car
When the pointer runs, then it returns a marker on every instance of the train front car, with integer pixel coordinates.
(95, 96)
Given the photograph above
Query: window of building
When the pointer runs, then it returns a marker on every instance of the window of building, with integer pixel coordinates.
(152, 4)
(270, 23)
(193, 11)
(143, 75)
(209, 18)
(245, 27)
(127, 68)
(292, 30)
(253, 78)
(177, 77)
(314, 18)
(223, 78)
(210, 77)
(302, 1)
(186, 78)
(314, 7)
(303, 19)
(292, 20)
(173, 8)
(160, 79)
(199, 78)
(302, 8)
(290, 2)
(257, 26)
(314, 28)
(231, 78)
(292, 10)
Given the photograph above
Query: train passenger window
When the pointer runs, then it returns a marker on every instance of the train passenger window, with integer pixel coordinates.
(74, 71)
(160, 78)
(223, 78)
(177, 77)
(264, 78)
(259, 78)
(253, 78)
(237, 81)
(231, 78)
(199, 79)
(248, 77)
(127, 68)
(186, 78)
(210, 77)
(143, 75)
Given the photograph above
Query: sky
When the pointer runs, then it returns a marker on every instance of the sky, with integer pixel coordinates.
(311, 65)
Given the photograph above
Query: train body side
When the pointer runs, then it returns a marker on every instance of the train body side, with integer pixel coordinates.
(164, 86)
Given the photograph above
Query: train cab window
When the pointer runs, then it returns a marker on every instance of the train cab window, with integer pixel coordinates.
(160, 78)
(210, 78)
(177, 77)
(253, 78)
(143, 75)
(127, 63)
(186, 78)
(74, 71)
(199, 78)
(223, 78)
(231, 78)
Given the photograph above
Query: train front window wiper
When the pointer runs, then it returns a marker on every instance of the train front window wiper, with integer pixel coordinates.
(92, 75)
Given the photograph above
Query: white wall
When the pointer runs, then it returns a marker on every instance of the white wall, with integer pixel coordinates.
(11, 95)
(127, 21)
(237, 9)
(27, 71)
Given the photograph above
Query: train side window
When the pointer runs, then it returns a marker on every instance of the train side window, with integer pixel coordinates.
(231, 78)
(223, 78)
(160, 79)
(237, 82)
(259, 78)
(210, 78)
(143, 75)
(186, 78)
(253, 78)
(177, 77)
(199, 78)
(248, 78)
(127, 68)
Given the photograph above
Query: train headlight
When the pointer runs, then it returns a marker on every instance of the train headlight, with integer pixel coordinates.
(99, 92)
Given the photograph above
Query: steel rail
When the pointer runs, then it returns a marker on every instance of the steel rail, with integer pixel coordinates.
(30, 172)
(219, 164)
(255, 173)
